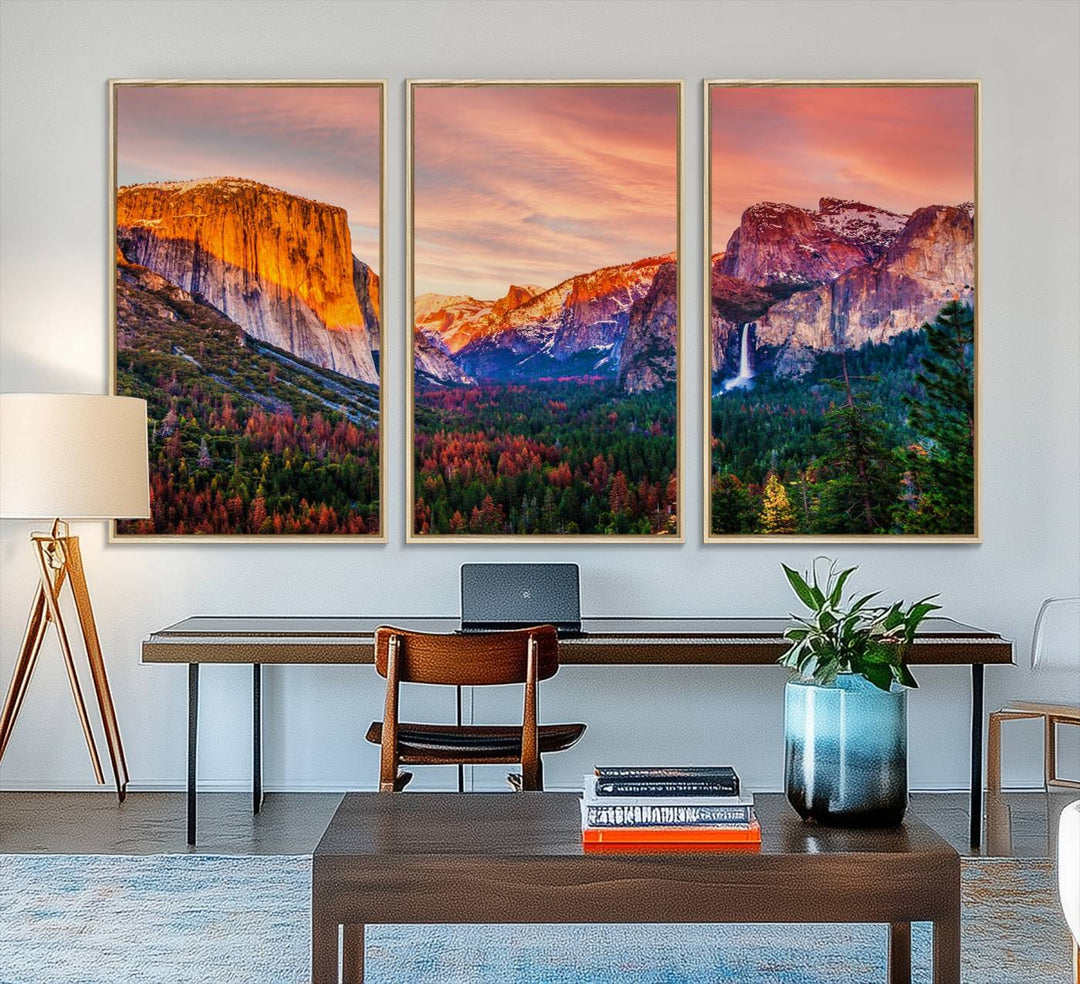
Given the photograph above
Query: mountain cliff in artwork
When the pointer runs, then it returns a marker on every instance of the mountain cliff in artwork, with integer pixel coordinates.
(840, 277)
(579, 327)
(278, 265)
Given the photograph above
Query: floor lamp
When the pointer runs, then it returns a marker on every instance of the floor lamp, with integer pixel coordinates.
(77, 457)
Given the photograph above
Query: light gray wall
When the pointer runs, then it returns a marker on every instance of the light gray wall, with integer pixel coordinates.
(56, 58)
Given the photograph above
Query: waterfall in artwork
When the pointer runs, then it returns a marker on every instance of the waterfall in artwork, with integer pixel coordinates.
(746, 374)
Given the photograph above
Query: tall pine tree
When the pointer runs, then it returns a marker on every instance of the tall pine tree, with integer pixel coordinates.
(863, 473)
(942, 464)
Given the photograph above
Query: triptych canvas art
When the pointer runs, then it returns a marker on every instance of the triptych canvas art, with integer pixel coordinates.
(544, 283)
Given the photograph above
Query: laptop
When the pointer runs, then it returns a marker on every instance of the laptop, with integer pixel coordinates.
(516, 596)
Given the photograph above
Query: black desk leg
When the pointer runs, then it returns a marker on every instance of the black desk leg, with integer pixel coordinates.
(976, 753)
(461, 767)
(192, 747)
(256, 738)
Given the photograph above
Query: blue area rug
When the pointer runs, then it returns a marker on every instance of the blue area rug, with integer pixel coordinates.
(245, 920)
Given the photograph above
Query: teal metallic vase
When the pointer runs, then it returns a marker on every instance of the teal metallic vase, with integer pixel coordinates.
(846, 752)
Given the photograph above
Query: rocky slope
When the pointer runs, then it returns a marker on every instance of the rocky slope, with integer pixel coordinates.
(278, 265)
(366, 285)
(435, 366)
(648, 357)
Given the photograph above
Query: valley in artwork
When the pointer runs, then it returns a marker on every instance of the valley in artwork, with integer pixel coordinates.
(244, 316)
(544, 379)
(842, 330)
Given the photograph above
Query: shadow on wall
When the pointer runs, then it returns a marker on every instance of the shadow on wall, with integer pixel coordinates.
(21, 372)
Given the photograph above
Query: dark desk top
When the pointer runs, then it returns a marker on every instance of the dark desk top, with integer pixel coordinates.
(614, 640)
(387, 826)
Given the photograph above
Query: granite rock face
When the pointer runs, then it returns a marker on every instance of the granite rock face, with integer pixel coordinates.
(648, 357)
(278, 265)
(840, 277)
(931, 262)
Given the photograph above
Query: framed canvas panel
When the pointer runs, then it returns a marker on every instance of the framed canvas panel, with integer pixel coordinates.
(544, 273)
(841, 328)
(247, 251)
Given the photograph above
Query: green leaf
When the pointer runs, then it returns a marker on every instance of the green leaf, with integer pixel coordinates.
(800, 587)
(838, 589)
(903, 676)
(880, 676)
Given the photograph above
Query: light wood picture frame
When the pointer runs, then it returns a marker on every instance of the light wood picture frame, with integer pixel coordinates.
(551, 411)
(247, 247)
(840, 220)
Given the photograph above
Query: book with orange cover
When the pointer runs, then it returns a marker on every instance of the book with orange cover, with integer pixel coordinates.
(727, 834)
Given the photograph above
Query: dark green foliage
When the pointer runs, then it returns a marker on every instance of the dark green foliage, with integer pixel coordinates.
(942, 463)
(854, 450)
(901, 445)
(733, 507)
(872, 641)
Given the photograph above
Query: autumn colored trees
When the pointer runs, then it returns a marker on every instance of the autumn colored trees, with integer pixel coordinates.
(560, 457)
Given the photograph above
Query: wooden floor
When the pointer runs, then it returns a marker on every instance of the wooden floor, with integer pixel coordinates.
(1023, 824)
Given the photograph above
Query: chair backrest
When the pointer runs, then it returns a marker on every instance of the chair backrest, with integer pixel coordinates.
(468, 659)
(1055, 642)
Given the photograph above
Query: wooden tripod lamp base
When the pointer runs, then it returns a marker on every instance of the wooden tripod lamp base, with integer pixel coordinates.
(85, 457)
(59, 561)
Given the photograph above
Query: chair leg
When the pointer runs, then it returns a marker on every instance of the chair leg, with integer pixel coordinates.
(1049, 753)
(993, 752)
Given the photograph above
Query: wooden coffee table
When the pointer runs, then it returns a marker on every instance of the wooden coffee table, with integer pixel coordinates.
(517, 858)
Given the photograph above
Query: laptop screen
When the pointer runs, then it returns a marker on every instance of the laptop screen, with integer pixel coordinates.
(516, 595)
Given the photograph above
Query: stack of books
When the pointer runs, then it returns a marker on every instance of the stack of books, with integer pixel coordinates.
(655, 806)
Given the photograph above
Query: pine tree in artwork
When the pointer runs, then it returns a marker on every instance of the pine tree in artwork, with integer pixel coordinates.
(777, 514)
(732, 506)
(942, 464)
(863, 471)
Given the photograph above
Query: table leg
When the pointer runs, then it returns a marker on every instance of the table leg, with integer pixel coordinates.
(192, 748)
(324, 949)
(900, 953)
(461, 766)
(976, 753)
(352, 955)
(947, 950)
(256, 738)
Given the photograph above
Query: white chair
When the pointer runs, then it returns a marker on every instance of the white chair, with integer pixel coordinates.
(1055, 645)
(1069, 875)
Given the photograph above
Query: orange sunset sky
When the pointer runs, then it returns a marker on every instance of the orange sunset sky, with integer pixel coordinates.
(896, 147)
(320, 142)
(533, 184)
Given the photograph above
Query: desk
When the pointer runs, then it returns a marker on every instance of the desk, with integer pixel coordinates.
(261, 640)
(517, 858)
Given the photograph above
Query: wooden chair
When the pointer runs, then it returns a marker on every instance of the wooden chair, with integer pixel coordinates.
(478, 660)
(1055, 644)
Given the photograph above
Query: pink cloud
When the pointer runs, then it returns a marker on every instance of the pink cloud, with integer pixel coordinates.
(897, 147)
(321, 142)
(537, 183)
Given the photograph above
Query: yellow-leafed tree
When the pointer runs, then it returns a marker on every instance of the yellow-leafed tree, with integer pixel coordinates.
(777, 514)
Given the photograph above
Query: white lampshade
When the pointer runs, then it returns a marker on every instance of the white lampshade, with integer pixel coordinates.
(1055, 643)
(73, 456)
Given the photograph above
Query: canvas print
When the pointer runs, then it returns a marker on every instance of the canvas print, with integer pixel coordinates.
(841, 331)
(545, 298)
(248, 250)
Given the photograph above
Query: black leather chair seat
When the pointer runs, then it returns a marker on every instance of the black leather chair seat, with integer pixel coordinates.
(474, 742)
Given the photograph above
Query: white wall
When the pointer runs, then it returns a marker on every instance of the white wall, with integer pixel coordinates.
(56, 58)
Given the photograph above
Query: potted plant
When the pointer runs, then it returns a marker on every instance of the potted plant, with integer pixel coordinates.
(845, 713)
